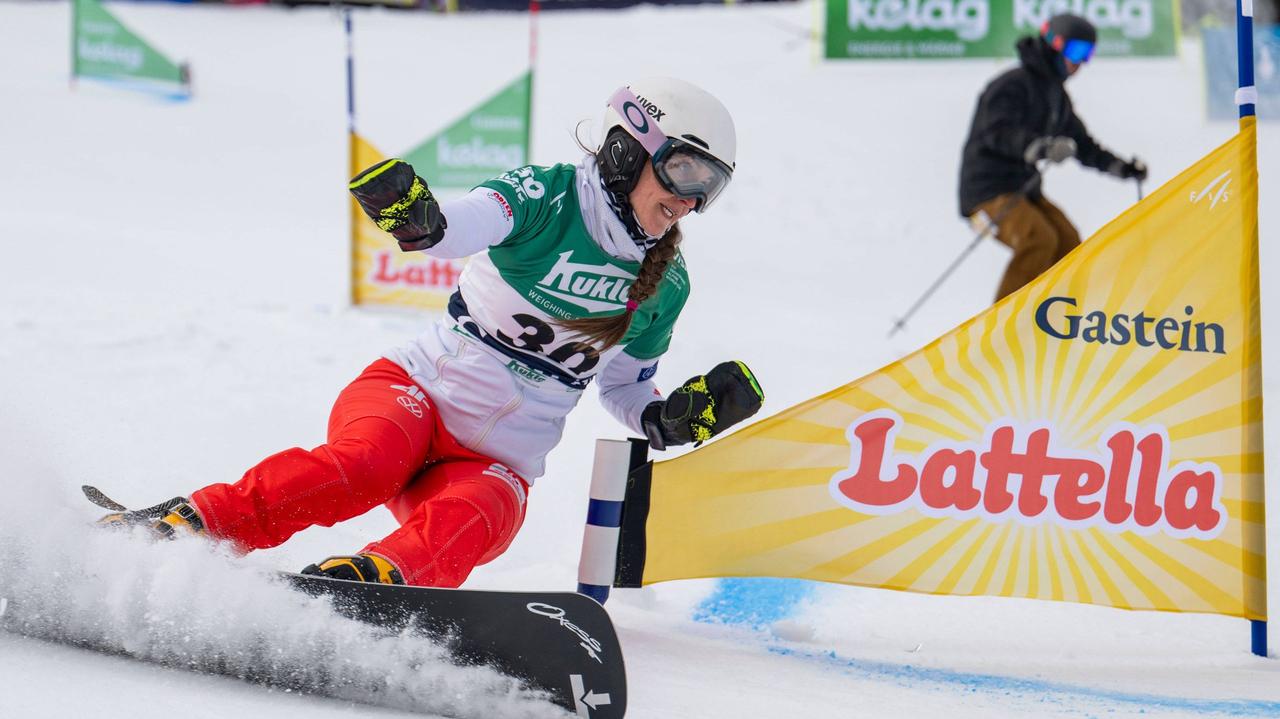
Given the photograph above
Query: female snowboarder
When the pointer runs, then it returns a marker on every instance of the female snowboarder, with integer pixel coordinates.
(575, 274)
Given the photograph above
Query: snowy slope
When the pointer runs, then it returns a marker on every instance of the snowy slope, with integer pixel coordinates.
(173, 308)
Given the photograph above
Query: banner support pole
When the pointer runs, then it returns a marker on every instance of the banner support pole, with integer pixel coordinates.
(598, 563)
(1246, 93)
(534, 8)
(75, 41)
(351, 145)
(1246, 99)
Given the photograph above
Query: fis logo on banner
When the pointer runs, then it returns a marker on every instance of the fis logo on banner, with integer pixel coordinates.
(1121, 329)
(1217, 191)
(1018, 473)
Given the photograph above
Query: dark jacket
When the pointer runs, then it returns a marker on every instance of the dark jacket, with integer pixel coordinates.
(1020, 105)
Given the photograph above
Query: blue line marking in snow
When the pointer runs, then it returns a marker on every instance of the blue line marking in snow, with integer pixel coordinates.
(1005, 684)
(158, 90)
(758, 602)
(753, 602)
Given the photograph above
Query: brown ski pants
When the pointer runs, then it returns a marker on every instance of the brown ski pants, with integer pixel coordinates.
(1037, 232)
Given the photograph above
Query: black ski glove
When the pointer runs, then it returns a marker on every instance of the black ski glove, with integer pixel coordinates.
(703, 407)
(1134, 169)
(1053, 149)
(398, 201)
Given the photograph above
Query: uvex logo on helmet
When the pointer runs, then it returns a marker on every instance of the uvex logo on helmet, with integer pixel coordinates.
(639, 112)
(651, 108)
(683, 131)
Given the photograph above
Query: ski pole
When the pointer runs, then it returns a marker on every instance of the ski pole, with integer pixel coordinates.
(991, 225)
(902, 322)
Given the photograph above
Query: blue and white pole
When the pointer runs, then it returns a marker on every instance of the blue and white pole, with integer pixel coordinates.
(351, 71)
(599, 562)
(1246, 92)
(351, 138)
(1247, 100)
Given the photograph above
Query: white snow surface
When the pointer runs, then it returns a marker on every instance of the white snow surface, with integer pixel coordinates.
(173, 308)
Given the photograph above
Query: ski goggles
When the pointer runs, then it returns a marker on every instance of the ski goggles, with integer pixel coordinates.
(682, 168)
(687, 172)
(1077, 51)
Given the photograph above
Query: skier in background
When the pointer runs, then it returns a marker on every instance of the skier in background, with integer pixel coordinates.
(1025, 116)
(576, 274)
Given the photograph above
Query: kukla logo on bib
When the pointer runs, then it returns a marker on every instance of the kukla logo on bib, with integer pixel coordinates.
(1016, 472)
(596, 288)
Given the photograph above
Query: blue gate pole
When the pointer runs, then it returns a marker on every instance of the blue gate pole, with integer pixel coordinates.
(351, 145)
(1247, 93)
(351, 73)
(1247, 99)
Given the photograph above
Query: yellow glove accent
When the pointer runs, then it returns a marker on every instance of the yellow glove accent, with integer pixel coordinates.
(709, 414)
(394, 215)
(365, 177)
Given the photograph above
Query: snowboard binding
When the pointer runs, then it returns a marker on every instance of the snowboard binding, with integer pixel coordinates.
(357, 568)
(166, 519)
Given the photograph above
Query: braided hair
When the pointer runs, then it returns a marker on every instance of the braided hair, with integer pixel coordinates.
(610, 329)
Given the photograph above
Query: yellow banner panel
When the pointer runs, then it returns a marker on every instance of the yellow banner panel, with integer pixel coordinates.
(381, 273)
(1095, 437)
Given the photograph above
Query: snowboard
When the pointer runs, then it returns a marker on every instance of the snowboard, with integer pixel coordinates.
(560, 642)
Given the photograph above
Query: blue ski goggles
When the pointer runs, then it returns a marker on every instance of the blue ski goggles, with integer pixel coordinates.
(687, 172)
(1077, 51)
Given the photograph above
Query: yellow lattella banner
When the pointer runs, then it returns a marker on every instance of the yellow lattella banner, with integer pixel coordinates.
(381, 273)
(1095, 437)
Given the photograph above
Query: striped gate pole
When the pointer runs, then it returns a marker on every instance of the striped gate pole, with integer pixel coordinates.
(354, 293)
(599, 561)
(1247, 92)
(1247, 99)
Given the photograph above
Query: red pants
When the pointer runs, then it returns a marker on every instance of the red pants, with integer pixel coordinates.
(457, 509)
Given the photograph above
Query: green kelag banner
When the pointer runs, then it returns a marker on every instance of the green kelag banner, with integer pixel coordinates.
(102, 47)
(901, 29)
(486, 142)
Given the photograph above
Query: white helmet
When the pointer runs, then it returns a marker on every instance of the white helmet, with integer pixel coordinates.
(685, 131)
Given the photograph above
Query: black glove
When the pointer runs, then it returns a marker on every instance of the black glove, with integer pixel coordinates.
(703, 407)
(1134, 169)
(1053, 149)
(398, 201)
